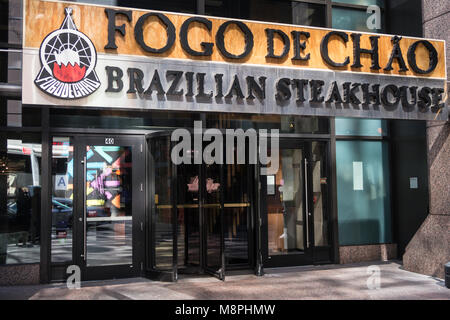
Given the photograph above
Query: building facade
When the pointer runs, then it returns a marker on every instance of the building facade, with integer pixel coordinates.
(92, 96)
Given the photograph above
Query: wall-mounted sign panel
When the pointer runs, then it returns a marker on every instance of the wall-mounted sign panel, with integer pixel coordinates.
(93, 56)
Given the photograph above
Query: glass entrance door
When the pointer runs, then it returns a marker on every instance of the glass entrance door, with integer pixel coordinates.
(109, 208)
(201, 214)
(200, 225)
(294, 205)
(288, 213)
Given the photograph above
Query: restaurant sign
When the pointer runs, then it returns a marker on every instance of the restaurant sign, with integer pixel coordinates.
(79, 55)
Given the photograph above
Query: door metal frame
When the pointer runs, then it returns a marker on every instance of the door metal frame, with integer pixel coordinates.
(317, 253)
(258, 223)
(138, 204)
(310, 255)
(150, 257)
(301, 258)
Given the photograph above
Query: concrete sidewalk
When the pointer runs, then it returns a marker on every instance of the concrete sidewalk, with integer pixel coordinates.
(317, 282)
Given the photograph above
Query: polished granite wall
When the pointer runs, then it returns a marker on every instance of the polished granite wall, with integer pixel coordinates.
(429, 249)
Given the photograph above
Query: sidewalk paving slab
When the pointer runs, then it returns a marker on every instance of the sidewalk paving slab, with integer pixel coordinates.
(330, 282)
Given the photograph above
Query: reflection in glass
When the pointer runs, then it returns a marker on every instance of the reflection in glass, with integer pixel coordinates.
(286, 124)
(215, 8)
(285, 204)
(20, 199)
(308, 14)
(319, 185)
(238, 186)
(379, 3)
(237, 208)
(185, 6)
(291, 12)
(270, 11)
(188, 215)
(81, 118)
(364, 214)
(212, 219)
(163, 223)
(296, 124)
(351, 19)
(62, 199)
(361, 127)
(108, 205)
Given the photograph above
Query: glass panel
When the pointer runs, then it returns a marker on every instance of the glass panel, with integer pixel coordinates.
(159, 120)
(226, 8)
(186, 6)
(10, 37)
(62, 199)
(14, 113)
(20, 198)
(308, 14)
(291, 12)
(215, 8)
(102, 2)
(351, 19)
(116, 119)
(109, 205)
(236, 212)
(320, 194)
(270, 11)
(379, 3)
(4, 15)
(286, 124)
(285, 204)
(163, 228)
(295, 124)
(364, 215)
(212, 216)
(31, 117)
(361, 127)
(188, 215)
(401, 11)
(3, 70)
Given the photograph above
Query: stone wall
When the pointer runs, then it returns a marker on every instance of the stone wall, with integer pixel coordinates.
(375, 252)
(429, 249)
(23, 274)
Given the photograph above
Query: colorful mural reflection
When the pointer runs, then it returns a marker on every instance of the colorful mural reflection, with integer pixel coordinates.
(108, 181)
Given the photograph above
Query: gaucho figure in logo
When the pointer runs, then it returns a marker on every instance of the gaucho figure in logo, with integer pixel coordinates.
(68, 60)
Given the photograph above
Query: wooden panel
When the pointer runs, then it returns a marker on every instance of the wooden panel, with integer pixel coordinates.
(43, 17)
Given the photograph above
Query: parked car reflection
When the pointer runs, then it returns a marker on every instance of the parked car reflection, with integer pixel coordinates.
(62, 214)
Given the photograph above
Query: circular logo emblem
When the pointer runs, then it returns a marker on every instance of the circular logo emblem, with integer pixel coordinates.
(68, 59)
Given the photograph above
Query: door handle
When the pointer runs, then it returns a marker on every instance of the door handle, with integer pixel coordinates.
(84, 210)
(308, 214)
